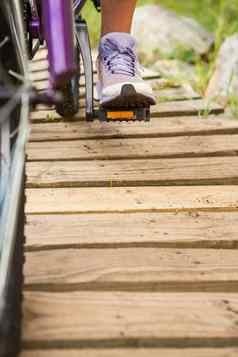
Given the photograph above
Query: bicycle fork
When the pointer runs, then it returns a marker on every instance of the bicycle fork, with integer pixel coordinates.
(58, 24)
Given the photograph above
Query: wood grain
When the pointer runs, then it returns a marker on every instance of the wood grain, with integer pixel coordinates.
(156, 128)
(81, 318)
(136, 352)
(130, 199)
(146, 172)
(147, 75)
(180, 93)
(40, 76)
(42, 84)
(133, 269)
(102, 262)
(180, 230)
(41, 81)
(163, 109)
(41, 54)
(186, 107)
(40, 65)
(132, 148)
(49, 116)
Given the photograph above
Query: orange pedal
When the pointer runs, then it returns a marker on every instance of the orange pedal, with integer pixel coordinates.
(120, 115)
(117, 114)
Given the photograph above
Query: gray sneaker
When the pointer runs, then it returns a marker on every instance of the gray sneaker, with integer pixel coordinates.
(119, 80)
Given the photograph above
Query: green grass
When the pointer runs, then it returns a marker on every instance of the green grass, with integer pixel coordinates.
(217, 16)
(94, 22)
(207, 12)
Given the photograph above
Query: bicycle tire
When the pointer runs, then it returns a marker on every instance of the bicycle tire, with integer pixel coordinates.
(10, 331)
(11, 311)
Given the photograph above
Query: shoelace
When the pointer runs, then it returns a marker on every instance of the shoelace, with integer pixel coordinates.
(119, 60)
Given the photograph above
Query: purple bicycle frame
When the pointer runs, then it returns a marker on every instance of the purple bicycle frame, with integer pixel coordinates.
(58, 25)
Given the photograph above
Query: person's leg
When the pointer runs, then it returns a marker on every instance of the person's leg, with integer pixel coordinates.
(119, 78)
(117, 15)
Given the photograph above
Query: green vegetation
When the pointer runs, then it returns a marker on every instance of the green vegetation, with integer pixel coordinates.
(94, 22)
(218, 16)
(215, 15)
(233, 105)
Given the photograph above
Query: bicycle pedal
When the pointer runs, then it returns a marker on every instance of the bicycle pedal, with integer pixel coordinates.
(123, 115)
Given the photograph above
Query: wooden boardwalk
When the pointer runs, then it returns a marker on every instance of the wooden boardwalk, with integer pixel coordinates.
(132, 232)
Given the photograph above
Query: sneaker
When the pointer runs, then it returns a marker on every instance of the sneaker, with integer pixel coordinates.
(119, 81)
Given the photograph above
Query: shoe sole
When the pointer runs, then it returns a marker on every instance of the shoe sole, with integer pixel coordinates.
(129, 98)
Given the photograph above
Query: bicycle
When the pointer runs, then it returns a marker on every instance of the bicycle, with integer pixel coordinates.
(25, 26)
(14, 112)
(68, 35)
(21, 35)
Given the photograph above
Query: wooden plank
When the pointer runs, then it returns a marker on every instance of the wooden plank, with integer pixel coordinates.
(41, 81)
(185, 107)
(131, 199)
(41, 54)
(133, 148)
(181, 93)
(81, 318)
(148, 73)
(172, 94)
(164, 109)
(40, 76)
(39, 66)
(43, 75)
(133, 269)
(157, 128)
(49, 116)
(41, 85)
(136, 352)
(209, 171)
(173, 230)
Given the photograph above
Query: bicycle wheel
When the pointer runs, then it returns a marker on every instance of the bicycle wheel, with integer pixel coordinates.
(11, 221)
(11, 314)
